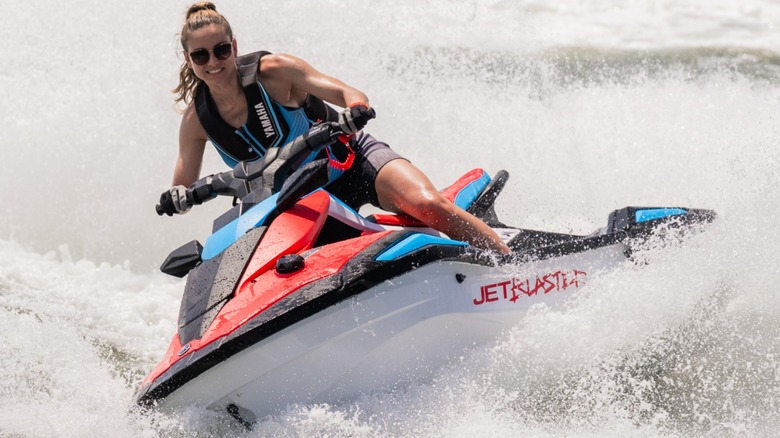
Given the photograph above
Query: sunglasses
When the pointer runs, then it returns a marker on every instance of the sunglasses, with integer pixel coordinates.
(222, 51)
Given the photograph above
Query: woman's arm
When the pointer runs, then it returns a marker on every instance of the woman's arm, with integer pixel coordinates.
(192, 143)
(288, 78)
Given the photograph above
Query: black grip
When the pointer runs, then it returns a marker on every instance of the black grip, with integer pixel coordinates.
(321, 134)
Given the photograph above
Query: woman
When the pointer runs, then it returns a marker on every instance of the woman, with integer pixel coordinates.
(245, 105)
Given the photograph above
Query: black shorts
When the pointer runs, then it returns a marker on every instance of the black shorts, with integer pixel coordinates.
(357, 186)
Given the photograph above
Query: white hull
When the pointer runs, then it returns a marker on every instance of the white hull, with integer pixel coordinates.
(399, 330)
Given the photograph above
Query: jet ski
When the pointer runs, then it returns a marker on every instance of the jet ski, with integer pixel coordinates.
(296, 298)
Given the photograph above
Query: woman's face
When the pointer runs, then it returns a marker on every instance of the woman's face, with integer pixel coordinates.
(205, 47)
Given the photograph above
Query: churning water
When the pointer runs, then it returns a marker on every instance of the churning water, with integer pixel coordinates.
(591, 106)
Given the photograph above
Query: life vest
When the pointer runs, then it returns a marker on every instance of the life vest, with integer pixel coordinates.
(269, 123)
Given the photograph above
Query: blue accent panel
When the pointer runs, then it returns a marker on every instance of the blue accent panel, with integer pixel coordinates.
(468, 194)
(227, 235)
(296, 120)
(413, 243)
(658, 213)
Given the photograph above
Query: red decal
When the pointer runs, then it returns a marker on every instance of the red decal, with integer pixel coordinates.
(490, 293)
(514, 289)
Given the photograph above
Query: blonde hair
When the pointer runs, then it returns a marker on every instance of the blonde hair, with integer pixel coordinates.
(199, 15)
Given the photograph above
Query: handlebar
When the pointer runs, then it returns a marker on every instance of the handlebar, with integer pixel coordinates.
(266, 175)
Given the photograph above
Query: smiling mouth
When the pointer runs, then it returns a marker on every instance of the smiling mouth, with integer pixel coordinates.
(216, 70)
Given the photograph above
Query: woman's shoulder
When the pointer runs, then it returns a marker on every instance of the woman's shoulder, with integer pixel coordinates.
(280, 63)
(190, 122)
(189, 112)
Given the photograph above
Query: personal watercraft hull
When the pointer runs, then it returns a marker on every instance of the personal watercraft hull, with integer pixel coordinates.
(401, 328)
(360, 323)
(314, 303)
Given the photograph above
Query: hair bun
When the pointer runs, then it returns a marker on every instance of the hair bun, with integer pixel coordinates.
(201, 6)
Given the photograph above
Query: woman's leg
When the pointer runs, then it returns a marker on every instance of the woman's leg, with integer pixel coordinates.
(403, 188)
